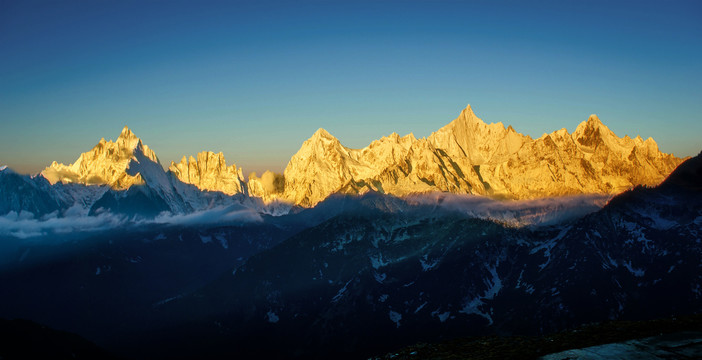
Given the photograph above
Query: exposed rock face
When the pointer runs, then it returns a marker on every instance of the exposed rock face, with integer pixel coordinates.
(107, 163)
(210, 172)
(468, 156)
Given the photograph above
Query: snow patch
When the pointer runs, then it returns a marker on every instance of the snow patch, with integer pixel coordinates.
(395, 317)
(379, 277)
(443, 316)
(377, 261)
(635, 271)
(222, 240)
(420, 307)
(427, 264)
(547, 246)
(164, 301)
(272, 317)
(494, 285)
(341, 292)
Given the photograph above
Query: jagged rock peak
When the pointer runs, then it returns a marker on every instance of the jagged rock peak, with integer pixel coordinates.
(127, 139)
(467, 117)
(126, 133)
(210, 172)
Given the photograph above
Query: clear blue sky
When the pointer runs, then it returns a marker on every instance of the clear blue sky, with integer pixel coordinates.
(255, 79)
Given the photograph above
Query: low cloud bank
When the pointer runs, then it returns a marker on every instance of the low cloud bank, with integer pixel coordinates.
(544, 211)
(25, 225)
(219, 215)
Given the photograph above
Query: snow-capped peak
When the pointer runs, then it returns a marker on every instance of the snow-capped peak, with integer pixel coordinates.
(106, 163)
(322, 134)
(127, 139)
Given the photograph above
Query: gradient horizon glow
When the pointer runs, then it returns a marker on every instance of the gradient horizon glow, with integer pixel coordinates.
(255, 79)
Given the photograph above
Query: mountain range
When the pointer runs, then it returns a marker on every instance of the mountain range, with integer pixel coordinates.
(474, 230)
(467, 156)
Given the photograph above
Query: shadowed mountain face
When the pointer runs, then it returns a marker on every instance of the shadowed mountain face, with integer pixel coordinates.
(22, 339)
(106, 285)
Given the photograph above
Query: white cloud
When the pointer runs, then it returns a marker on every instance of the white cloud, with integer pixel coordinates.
(217, 215)
(25, 225)
(544, 211)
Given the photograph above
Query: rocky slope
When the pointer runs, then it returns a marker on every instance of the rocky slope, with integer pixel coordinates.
(468, 156)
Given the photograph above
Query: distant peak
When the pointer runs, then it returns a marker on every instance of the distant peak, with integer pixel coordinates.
(467, 118)
(594, 119)
(591, 127)
(126, 132)
(322, 134)
(651, 142)
(468, 111)
(127, 139)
